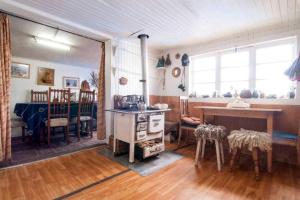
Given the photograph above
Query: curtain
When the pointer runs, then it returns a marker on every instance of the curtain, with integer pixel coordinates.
(5, 62)
(101, 98)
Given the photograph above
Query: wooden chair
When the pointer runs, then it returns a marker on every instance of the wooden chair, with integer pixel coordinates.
(58, 111)
(85, 112)
(183, 124)
(39, 96)
(288, 139)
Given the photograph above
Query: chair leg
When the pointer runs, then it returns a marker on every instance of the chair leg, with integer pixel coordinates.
(78, 130)
(203, 148)
(222, 152)
(67, 134)
(218, 154)
(49, 134)
(23, 134)
(255, 160)
(198, 152)
(298, 153)
(233, 155)
(91, 128)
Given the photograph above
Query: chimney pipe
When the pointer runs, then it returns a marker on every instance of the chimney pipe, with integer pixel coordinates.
(144, 56)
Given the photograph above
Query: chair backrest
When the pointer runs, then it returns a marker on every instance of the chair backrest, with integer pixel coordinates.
(58, 103)
(86, 103)
(39, 96)
(184, 106)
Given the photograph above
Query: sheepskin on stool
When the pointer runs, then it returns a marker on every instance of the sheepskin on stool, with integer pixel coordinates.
(251, 139)
(210, 132)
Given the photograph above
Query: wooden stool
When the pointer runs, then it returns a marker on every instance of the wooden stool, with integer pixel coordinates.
(213, 133)
(254, 140)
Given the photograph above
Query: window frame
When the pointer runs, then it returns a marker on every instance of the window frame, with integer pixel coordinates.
(252, 60)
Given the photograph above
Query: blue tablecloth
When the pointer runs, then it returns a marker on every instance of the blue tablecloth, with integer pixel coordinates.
(34, 114)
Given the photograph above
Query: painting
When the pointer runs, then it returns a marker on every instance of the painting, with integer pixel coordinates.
(45, 76)
(20, 70)
(71, 82)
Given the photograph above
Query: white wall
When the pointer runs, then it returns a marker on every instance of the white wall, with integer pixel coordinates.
(222, 44)
(20, 88)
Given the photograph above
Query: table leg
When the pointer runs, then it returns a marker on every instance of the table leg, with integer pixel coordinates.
(270, 131)
(201, 116)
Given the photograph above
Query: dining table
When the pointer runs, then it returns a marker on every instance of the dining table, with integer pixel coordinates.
(256, 113)
(34, 114)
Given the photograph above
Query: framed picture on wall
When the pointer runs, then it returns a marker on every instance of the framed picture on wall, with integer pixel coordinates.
(45, 76)
(20, 70)
(71, 82)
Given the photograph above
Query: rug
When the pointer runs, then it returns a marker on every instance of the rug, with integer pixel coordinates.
(147, 166)
(26, 152)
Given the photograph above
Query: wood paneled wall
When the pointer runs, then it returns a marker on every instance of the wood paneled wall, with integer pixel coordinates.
(287, 121)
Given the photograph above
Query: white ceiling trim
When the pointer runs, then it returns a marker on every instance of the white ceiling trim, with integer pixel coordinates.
(56, 19)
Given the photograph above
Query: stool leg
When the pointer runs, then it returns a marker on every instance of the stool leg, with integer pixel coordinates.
(222, 152)
(203, 148)
(234, 152)
(198, 152)
(255, 160)
(218, 154)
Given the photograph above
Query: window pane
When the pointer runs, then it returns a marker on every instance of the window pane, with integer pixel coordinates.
(235, 59)
(272, 71)
(234, 85)
(235, 74)
(278, 87)
(204, 88)
(204, 76)
(275, 53)
(204, 63)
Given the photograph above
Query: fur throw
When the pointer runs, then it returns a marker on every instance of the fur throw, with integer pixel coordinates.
(252, 139)
(210, 132)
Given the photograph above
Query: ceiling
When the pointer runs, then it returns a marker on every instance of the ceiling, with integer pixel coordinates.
(83, 53)
(169, 23)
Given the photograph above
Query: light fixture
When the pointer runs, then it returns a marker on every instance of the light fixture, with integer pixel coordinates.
(52, 44)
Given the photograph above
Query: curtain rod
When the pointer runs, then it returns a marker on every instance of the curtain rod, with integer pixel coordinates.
(30, 20)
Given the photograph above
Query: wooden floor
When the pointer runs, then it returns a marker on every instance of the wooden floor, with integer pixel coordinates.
(180, 180)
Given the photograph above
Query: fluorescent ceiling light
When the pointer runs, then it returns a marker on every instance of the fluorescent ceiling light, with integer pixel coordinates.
(52, 44)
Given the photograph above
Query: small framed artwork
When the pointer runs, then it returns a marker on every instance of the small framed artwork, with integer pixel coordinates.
(71, 82)
(45, 76)
(20, 70)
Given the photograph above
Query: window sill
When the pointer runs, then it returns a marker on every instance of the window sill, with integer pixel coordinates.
(250, 101)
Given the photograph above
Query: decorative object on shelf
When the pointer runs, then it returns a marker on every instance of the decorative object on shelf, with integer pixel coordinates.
(227, 95)
(168, 60)
(245, 94)
(20, 70)
(45, 76)
(123, 81)
(94, 79)
(238, 104)
(261, 94)
(176, 71)
(161, 62)
(293, 72)
(272, 96)
(177, 56)
(255, 94)
(292, 93)
(85, 86)
(182, 87)
(185, 61)
(71, 82)
(193, 95)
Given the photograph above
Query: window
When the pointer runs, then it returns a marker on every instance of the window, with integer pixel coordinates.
(260, 67)
(234, 71)
(204, 75)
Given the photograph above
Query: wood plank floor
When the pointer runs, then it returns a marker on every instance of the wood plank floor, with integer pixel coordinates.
(180, 180)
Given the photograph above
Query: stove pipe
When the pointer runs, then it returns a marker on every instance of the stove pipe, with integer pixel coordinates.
(144, 56)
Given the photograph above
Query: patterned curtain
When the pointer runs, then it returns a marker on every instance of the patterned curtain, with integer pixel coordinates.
(101, 98)
(5, 62)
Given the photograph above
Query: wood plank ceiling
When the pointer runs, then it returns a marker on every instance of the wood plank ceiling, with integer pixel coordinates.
(169, 22)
